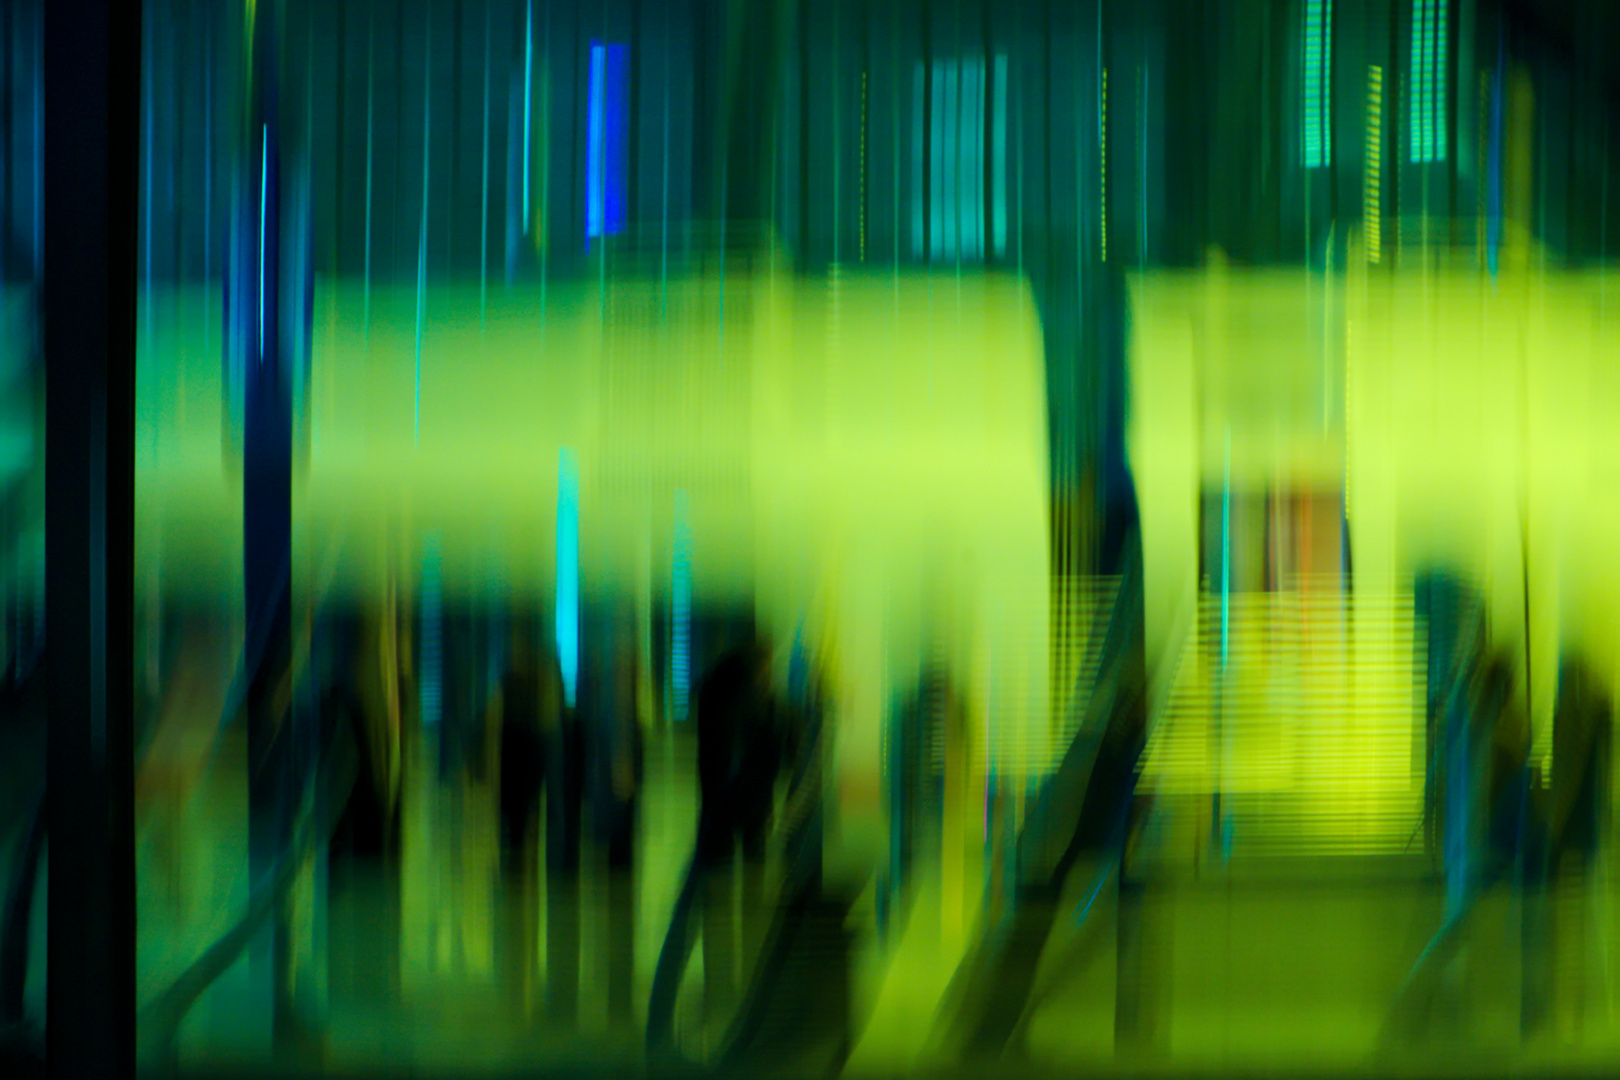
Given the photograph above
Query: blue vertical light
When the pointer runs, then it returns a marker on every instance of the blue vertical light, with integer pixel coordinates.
(604, 142)
(568, 572)
(593, 146)
(680, 653)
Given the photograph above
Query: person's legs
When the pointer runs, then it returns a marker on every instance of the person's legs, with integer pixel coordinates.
(562, 897)
(755, 910)
(621, 897)
(717, 854)
(518, 902)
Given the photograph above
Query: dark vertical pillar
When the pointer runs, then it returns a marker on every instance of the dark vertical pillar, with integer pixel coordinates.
(92, 87)
(267, 500)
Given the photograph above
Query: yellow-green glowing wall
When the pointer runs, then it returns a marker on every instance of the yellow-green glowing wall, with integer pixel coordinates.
(870, 451)
(1461, 413)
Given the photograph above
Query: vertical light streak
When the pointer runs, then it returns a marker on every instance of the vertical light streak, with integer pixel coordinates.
(837, 160)
(421, 242)
(1141, 165)
(998, 177)
(1428, 67)
(1371, 208)
(863, 166)
(371, 112)
(483, 232)
(1482, 236)
(208, 144)
(264, 195)
(528, 103)
(894, 108)
(149, 121)
(680, 653)
(950, 163)
(594, 138)
(1222, 832)
(567, 613)
(1318, 47)
(1102, 166)
(663, 255)
(604, 138)
(919, 247)
(936, 152)
(973, 95)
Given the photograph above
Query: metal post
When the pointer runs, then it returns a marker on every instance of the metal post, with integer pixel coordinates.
(92, 65)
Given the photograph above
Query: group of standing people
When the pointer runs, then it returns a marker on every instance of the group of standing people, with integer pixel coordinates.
(565, 775)
(504, 727)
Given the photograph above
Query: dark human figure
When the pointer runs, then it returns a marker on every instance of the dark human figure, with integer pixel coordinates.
(541, 759)
(740, 754)
(1577, 804)
(917, 783)
(364, 855)
(1512, 815)
(617, 770)
(1583, 731)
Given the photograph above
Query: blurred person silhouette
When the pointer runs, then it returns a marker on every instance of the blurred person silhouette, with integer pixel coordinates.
(740, 753)
(1514, 816)
(541, 767)
(1583, 734)
(366, 698)
(188, 704)
(463, 745)
(616, 774)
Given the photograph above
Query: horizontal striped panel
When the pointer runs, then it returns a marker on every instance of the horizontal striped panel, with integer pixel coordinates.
(1312, 728)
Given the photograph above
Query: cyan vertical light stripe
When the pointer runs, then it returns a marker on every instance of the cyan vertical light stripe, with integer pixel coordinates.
(1420, 80)
(998, 176)
(528, 106)
(680, 653)
(1428, 80)
(972, 159)
(1438, 103)
(919, 241)
(567, 611)
(1318, 82)
(936, 198)
(952, 161)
